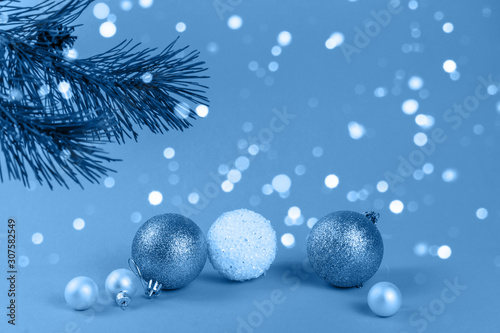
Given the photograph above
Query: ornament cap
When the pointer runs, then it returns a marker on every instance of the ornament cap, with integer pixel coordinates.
(372, 216)
(123, 299)
(151, 288)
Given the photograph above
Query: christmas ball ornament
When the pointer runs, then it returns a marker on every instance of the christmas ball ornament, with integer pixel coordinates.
(121, 284)
(241, 245)
(81, 293)
(384, 299)
(168, 252)
(345, 248)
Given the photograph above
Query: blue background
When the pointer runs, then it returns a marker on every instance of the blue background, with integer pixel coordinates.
(325, 92)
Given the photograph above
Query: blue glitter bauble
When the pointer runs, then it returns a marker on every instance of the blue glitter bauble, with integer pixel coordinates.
(170, 249)
(345, 248)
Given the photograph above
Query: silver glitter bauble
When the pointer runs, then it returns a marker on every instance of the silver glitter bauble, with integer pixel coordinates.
(170, 249)
(345, 248)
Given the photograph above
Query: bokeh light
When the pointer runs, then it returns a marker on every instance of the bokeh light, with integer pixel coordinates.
(331, 181)
(482, 213)
(235, 22)
(281, 183)
(37, 238)
(396, 206)
(288, 240)
(79, 223)
(155, 198)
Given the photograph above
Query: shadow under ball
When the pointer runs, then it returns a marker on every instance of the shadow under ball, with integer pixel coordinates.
(345, 248)
(170, 249)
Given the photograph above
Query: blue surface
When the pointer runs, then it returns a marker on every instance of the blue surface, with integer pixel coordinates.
(325, 93)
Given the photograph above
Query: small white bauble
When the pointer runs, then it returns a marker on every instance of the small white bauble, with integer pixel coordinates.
(241, 245)
(121, 284)
(81, 293)
(384, 299)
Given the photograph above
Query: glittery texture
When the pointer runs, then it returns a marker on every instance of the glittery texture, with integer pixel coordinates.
(170, 249)
(345, 248)
(241, 245)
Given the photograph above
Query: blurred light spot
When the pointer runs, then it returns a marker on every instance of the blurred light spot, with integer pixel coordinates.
(253, 150)
(126, 5)
(180, 27)
(294, 212)
(112, 18)
(433, 250)
(24, 261)
(173, 179)
(418, 174)
(382, 186)
(107, 29)
(478, 129)
(331, 181)
(227, 186)
(101, 10)
(273, 66)
(420, 249)
(415, 83)
(53, 258)
(311, 222)
(109, 182)
(317, 151)
(193, 198)
(253, 65)
(37, 238)
(410, 106)
(413, 4)
(455, 75)
(65, 89)
(336, 39)
(212, 47)
(147, 77)
(449, 175)
(356, 130)
(420, 139)
(169, 153)
(242, 163)
(424, 121)
(396, 206)
(284, 38)
(202, 110)
(135, 217)
(247, 127)
(300, 170)
(352, 196)
(449, 66)
(482, 213)
(363, 194)
(235, 22)
(281, 183)
(412, 206)
(444, 252)
(78, 224)
(223, 169)
(380, 92)
(173, 166)
(276, 50)
(288, 240)
(70, 53)
(492, 89)
(45, 90)
(428, 168)
(267, 189)
(155, 198)
(438, 16)
(182, 110)
(486, 12)
(242, 144)
(448, 27)
(145, 3)
(234, 176)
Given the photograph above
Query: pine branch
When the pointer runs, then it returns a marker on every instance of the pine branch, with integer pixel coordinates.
(54, 110)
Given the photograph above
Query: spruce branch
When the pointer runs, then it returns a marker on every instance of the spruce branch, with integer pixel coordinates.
(56, 110)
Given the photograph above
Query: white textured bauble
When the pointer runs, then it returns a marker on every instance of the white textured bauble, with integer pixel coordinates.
(241, 245)
(81, 293)
(384, 299)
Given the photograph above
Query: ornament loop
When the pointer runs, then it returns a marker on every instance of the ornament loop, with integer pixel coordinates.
(372, 216)
(151, 288)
